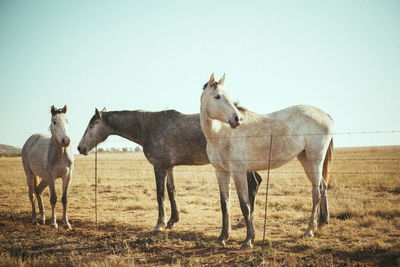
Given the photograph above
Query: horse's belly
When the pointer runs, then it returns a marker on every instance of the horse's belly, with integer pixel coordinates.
(40, 172)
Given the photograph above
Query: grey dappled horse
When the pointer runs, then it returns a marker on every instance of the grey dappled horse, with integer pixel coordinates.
(49, 158)
(169, 138)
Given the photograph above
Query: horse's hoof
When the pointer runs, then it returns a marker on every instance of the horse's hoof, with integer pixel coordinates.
(246, 245)
(54, 225)
(171, 223)
(221, 241)
(34, 223)
(308, 233)
(42, 222)
(67, 226)
(159, 228)
(322, 224)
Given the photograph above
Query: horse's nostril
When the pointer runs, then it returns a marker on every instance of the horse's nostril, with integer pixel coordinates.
(236, 118)
(79, 148)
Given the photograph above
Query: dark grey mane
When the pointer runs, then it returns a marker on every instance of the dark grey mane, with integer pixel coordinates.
(212, 85)
(240, 108)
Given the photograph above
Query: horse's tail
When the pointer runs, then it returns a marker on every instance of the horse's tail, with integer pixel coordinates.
(327, 162)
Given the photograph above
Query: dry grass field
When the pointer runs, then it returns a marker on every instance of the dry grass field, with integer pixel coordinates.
(364, 229)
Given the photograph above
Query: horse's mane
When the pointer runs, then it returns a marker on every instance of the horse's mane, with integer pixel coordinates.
(240, 108)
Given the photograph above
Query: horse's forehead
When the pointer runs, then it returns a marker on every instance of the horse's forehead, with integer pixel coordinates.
(60, 116)
(93, 119)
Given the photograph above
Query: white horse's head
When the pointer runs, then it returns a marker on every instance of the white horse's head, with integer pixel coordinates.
(59, 126)
(217, 105)
(95, 133)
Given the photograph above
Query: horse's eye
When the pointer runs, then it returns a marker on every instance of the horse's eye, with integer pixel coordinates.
(217, 97)
(54, 122)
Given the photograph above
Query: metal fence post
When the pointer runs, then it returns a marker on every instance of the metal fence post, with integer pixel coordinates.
(266, 195)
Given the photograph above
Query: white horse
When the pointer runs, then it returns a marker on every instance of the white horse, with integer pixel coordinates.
(238, 141)
(49, 158)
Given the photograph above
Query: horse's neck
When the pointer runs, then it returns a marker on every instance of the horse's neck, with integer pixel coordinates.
(126, 125)
(58, 149)
(211, 129)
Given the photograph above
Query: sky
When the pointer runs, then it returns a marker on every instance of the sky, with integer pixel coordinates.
(341, 56)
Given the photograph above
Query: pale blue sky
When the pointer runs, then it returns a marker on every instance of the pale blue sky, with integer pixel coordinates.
(342, 56)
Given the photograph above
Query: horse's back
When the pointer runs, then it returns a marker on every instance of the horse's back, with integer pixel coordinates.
(180, 138)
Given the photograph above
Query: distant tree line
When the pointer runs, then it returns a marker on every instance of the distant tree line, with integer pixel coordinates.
(124, 149)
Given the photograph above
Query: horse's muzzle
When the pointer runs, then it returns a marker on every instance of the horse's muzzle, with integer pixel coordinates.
(236, 122)
(82, 151)
(65, 141)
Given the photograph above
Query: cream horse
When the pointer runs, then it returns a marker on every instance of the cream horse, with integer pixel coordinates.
(49, 158)
(238, 141)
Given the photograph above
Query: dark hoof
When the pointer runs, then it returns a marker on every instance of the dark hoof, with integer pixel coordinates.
(159, 228)
(221, 240)
(247, 245)
(156, 232)
(322, 224)
(171, 223)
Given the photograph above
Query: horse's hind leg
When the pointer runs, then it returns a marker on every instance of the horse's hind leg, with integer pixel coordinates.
(324, 211)
(171, 194)
(313, 169)
(43, 184)
(66, 179)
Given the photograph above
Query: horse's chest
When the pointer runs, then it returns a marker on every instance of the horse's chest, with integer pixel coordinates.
(62, 168)
(61, 171)
(220, 158)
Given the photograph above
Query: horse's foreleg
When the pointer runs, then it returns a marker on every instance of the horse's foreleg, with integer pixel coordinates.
(240, 180)
(225, 191)
(53, 201)
(43, 184)
(65, 180)
(160, 173)
(171, 194)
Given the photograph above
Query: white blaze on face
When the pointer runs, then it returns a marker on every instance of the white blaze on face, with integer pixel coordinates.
(93, 136)
(59, 129)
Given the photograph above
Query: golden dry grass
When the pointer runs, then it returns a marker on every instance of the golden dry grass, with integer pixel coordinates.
(364, 199)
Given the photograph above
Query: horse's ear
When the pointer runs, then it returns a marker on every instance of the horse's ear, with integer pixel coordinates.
(98, 113)
(221, 82)
(103, 110)
(53, 110)
(64, 110)
(212, 79)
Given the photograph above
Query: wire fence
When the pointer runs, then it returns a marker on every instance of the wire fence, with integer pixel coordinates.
(379, 171)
